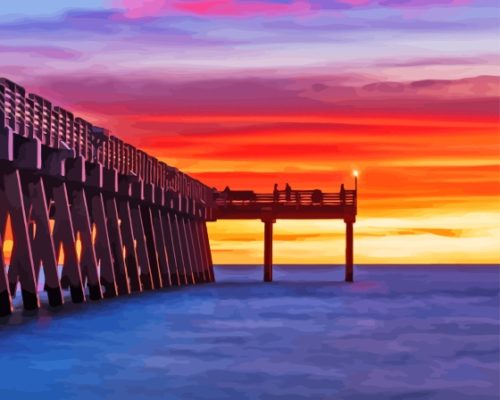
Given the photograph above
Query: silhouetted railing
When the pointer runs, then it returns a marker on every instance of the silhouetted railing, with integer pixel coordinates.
(32, 116)
(294, 198)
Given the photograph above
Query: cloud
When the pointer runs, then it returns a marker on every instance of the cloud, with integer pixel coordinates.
(152, 99)
(365, 232)
(227, 8)
(379, 21)
(266, 8)
(54, 52)
(432, 61)
(422, 3)
(429, 231)
(437, 139)
(91, 22)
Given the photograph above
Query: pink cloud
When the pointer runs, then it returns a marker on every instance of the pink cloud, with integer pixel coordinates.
(244, 8)
(355, 3)
(146, 8)
(235, 8)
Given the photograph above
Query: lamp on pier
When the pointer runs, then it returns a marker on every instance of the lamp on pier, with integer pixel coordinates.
(356, 174)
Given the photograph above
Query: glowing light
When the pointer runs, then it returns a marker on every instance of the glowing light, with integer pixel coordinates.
(355, 173)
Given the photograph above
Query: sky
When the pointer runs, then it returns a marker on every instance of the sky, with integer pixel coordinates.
(251, 93)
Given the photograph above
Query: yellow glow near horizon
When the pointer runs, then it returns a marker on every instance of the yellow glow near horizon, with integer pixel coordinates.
(448, 238)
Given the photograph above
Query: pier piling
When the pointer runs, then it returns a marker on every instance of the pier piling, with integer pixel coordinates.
(349, 273)
(268, 249)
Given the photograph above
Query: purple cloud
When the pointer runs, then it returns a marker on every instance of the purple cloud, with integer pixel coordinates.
(429, 61)
(42, 51)
(356, 24)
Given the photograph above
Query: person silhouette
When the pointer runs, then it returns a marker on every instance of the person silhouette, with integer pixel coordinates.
(342, 194)
(276, 193)
(288, 192)
(226, 194)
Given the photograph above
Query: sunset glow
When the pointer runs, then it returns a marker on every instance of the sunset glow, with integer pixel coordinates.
(401, 95)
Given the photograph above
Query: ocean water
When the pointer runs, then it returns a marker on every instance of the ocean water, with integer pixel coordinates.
(396, 333)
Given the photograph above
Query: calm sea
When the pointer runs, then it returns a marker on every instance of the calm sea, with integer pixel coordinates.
(396, 333)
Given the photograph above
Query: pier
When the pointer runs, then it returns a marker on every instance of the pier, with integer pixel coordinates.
(291, 204)
(124, 221)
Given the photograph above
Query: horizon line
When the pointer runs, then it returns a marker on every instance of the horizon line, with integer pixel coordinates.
(360, 265)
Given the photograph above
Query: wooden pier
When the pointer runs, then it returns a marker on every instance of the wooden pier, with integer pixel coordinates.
(64, 184)
(139, 223)
(291, 204)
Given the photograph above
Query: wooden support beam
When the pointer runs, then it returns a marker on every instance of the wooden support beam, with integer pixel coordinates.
(172, 252)
(116, 245)
(195, 255)
(64, 234)
(44, 252)
(103, 245)
(208, 251)
(180, 249)
(349, 273)
(142, 252)
(187, 251)
(152, 246)
(21, 264)
(202, 263)
(161, 247)
(201, 248)
(6, 306)
(131, 259)
(268, 249)
(81, 222)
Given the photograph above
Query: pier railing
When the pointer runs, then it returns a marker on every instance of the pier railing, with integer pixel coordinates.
(282, 198)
